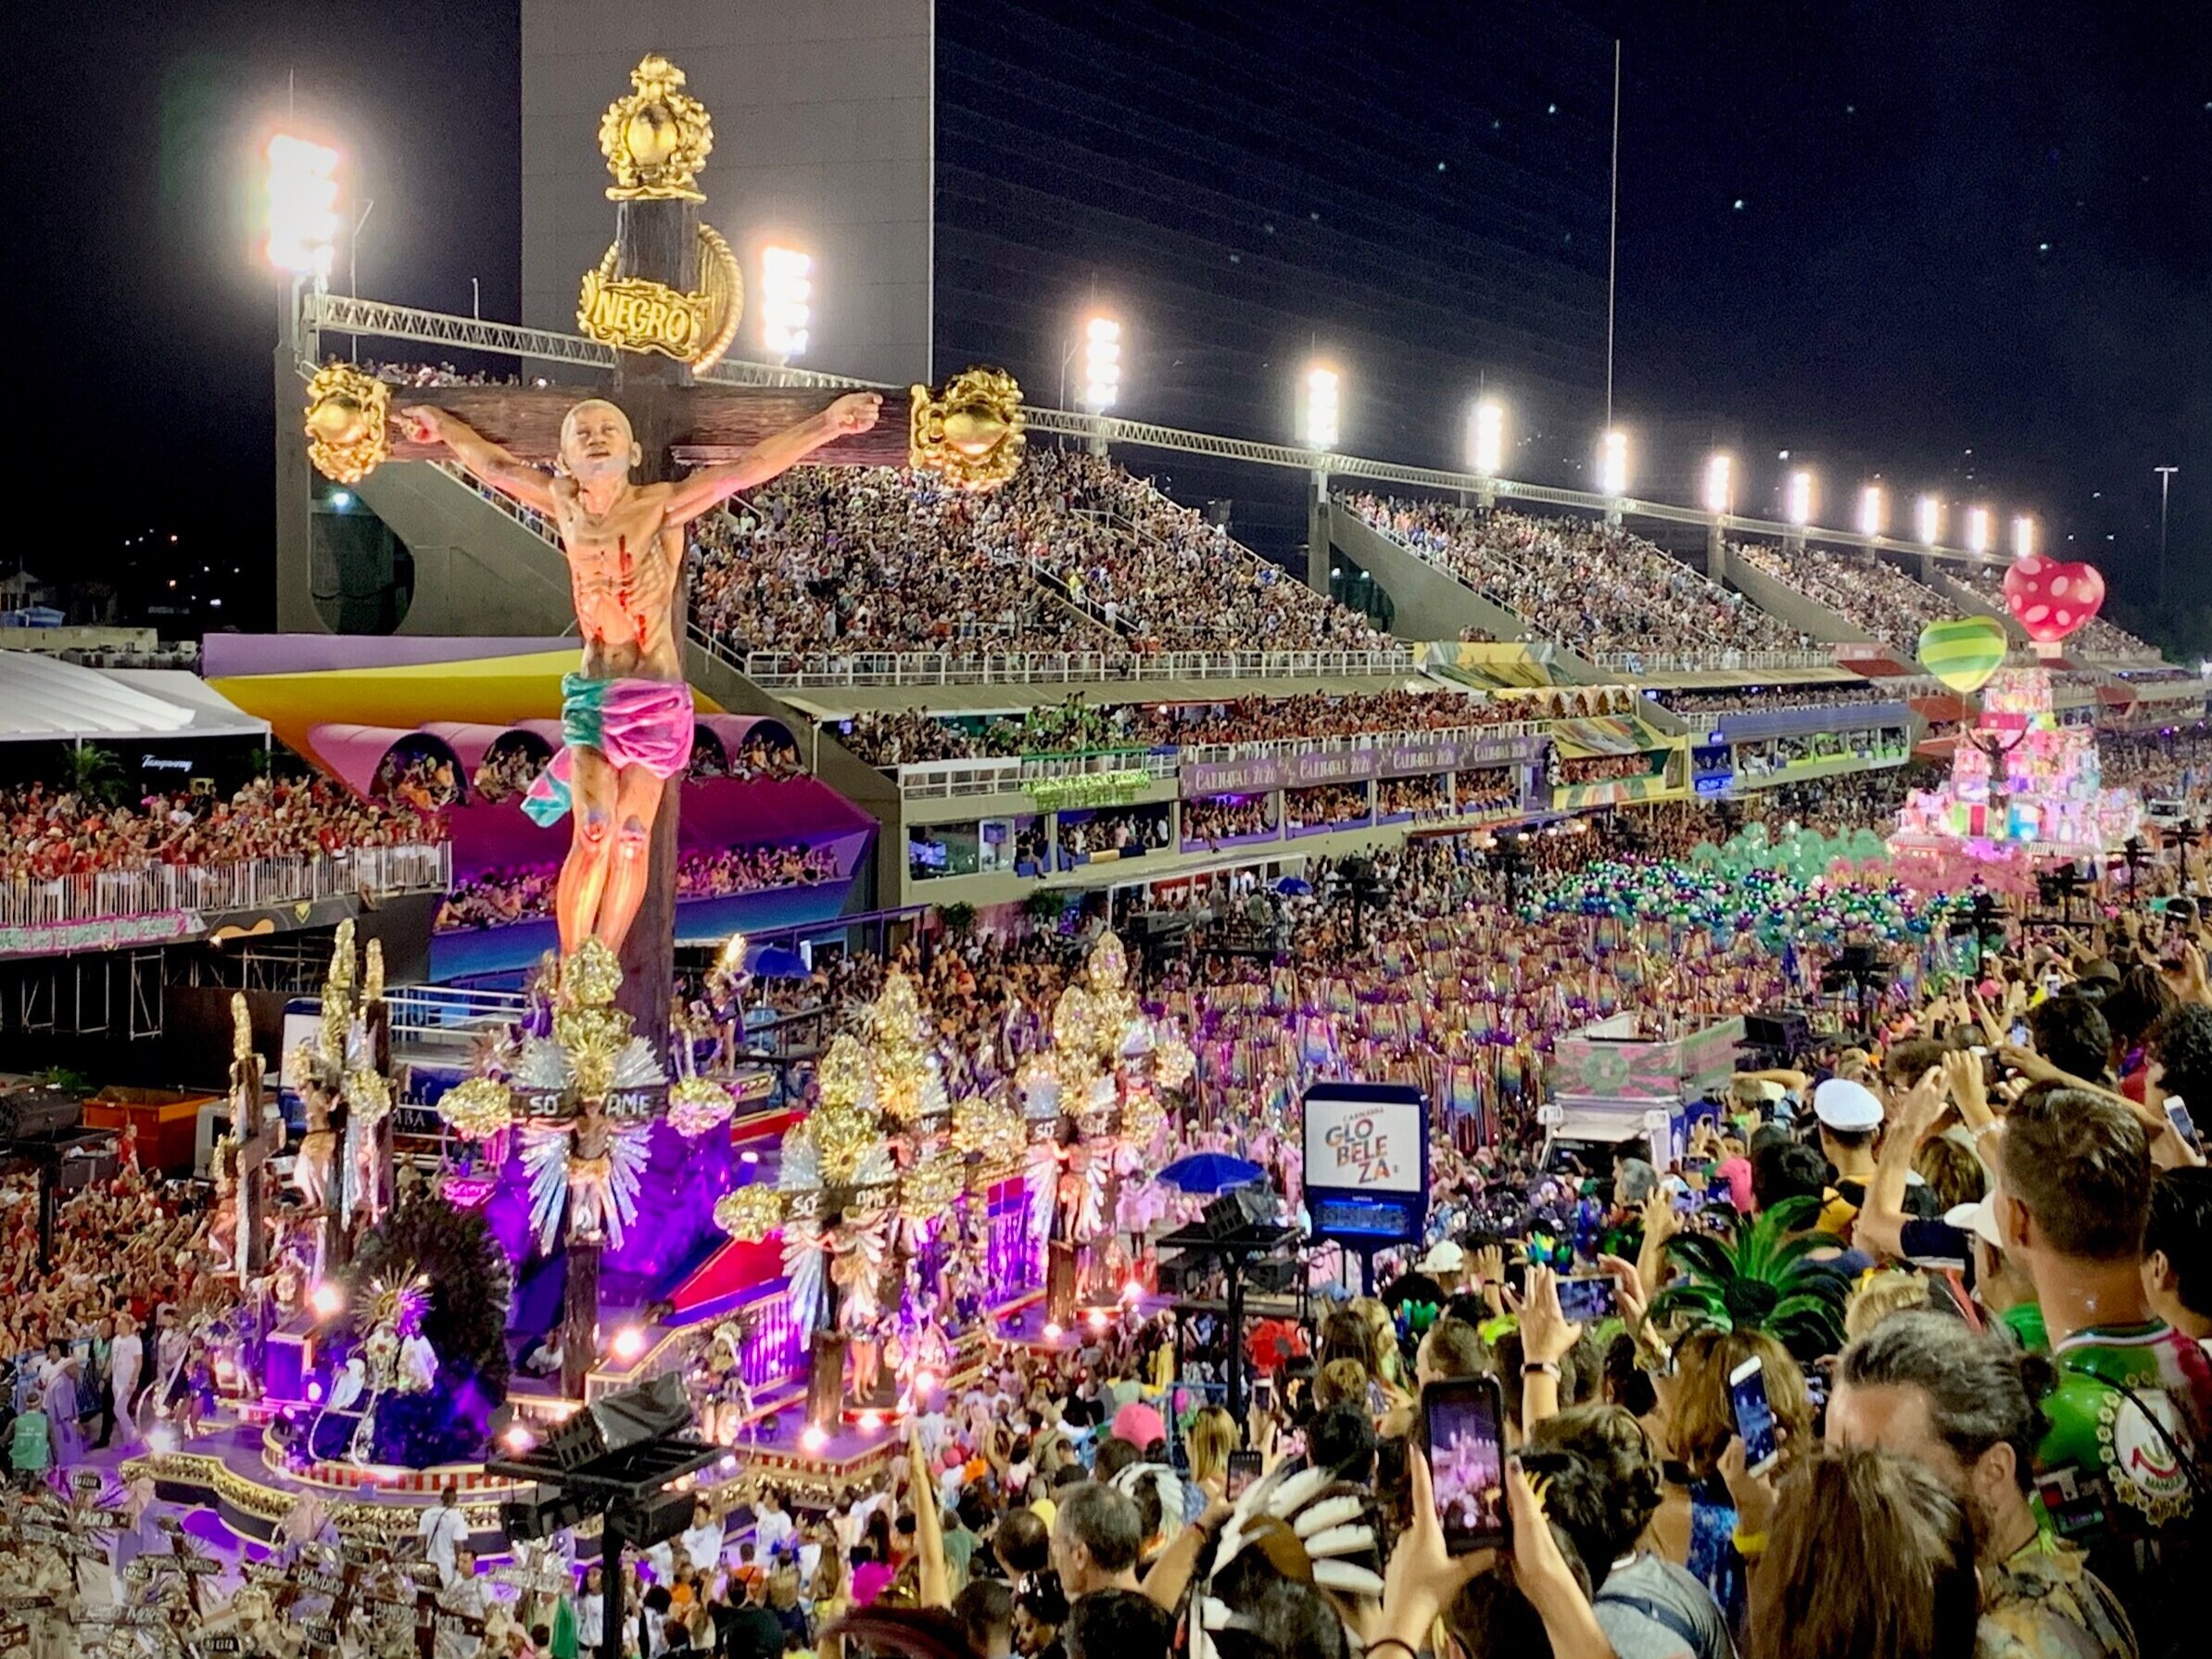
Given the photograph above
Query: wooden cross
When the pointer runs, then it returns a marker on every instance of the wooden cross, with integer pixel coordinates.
(666, 298)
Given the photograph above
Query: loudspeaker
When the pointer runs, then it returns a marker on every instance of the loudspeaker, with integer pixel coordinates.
(1222, 1217)
(621, 1421)
(653, 1520)
(542, 1513)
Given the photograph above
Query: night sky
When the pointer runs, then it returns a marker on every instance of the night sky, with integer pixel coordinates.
(1967, 246)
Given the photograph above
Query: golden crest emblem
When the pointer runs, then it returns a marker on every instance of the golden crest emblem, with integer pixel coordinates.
(972, 433)
(657, 138)
(346, 415)
(633, 314)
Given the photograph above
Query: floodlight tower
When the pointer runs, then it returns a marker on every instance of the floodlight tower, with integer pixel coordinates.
(1102, 375)
(301, 186)
(1719, 497)
(1613, 472)
(1321, 391)
(1486, 447)
(1797, 508)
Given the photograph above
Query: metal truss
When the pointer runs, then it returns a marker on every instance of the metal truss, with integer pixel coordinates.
(336, 313)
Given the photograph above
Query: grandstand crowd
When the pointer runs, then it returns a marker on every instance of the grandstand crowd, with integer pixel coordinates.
(48, 833)
(496, 898)
(1588, 586)
(1075, 555)
(1081, 723)
(1868, 592)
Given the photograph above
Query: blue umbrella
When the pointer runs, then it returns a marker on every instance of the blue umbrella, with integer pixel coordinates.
(774, 962)
(1294, 887)
(1208, 1172)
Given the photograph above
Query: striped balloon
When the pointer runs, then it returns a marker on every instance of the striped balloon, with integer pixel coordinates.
(1963, 652)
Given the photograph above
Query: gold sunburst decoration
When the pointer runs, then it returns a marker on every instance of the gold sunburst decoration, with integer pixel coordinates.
(697, 1105)
(749, 1213)
(972, 435)
(346, 416)
(656, 137)
(477, 1109)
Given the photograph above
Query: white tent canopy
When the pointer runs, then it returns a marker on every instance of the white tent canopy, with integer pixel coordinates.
(44, 699)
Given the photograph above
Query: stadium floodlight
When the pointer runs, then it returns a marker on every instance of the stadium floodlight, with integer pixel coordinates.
(1612, 463)
(1318, 408)
(1798, 497)
(1927, 520)
(303, 206)
(1101, 365)
(1485, 437)
(1872, 508)
(2023, 537)
(1720, 483)
(1978, 529)
(787, 300)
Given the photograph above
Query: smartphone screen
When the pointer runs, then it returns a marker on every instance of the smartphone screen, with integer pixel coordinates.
(1464, 1419)
(1243, 1469)
(2177, 1113)
(1588, 1301)
(1754, 1416)
(2017, 1036)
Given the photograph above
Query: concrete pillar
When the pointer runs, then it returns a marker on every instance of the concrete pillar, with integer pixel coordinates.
(1716, 551)
(296, 611)
(1317, 535)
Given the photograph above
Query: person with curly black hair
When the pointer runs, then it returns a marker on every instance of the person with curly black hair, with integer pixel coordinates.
(2176, 1250)
(2181, 1049)
(1602, 1486)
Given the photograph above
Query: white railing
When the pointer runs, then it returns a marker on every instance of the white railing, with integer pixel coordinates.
(430, 1013)
(528, 517)
(1708, 661)
(779, 670)
(944, 780)
(247, 884)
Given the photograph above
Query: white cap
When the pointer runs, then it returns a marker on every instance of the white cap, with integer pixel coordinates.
(1444, 1256)
(1978, 1218)
(1847, 1107)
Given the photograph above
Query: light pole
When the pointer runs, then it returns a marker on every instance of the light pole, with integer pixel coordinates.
(2165, 484)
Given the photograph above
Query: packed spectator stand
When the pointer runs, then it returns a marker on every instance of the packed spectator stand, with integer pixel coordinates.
(1591, 587)
(1867, 591)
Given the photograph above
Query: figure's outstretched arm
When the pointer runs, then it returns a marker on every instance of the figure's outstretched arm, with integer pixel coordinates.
(711, 486)
(483, 458)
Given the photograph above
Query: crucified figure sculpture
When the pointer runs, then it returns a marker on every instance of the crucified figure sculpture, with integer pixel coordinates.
(626, 715)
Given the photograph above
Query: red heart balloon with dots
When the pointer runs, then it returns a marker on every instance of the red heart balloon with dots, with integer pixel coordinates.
(2052, 600)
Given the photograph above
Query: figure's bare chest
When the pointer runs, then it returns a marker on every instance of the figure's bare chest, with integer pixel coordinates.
(625, 543)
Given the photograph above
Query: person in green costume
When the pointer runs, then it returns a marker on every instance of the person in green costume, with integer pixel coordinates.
(2120, 1469)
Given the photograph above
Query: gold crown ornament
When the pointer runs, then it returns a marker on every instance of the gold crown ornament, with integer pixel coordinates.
(657, 137)
(972, 435)
(346, 415)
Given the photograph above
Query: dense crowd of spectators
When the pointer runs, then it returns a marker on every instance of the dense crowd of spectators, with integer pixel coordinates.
(1604, 768)
(1176, 582)
(496, 898)
(1123, 831)
(1747, 700)
(1424, 797)
(1325, 803)
(1073, 555)
(48, 832)
(1868, 592)
(1081, 724)
(1212, 819)
(1590, 586)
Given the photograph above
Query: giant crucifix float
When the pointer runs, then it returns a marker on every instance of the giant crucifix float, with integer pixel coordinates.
(666, 298)
(603, 465)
